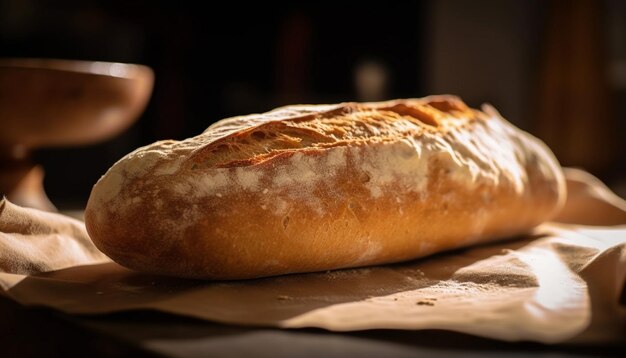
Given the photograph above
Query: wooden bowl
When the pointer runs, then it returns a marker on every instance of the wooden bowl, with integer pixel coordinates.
(58, 103)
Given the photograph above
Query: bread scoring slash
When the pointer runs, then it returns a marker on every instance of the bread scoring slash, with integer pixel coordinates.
(318, 187)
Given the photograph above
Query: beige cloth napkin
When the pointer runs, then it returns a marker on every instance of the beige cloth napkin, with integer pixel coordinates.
(33, 241)
(560, 283)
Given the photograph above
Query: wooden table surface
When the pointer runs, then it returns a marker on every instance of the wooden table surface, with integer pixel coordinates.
(42, 332)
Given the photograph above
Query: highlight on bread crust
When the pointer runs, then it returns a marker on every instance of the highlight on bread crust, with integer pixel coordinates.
(317, 187)
(344, 125)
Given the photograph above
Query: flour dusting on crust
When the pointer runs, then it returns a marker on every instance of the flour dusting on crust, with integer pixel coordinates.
(489, 150)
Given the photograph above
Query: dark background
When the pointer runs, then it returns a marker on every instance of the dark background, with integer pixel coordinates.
(554, 68)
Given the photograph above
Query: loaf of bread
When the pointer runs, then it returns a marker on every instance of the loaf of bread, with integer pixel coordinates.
(320, 187)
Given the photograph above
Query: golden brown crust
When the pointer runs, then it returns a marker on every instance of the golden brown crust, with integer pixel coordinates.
(340, 125)
(309, 188)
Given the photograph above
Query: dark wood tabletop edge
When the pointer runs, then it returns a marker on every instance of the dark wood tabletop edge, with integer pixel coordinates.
(42, 332)
(142, 326)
